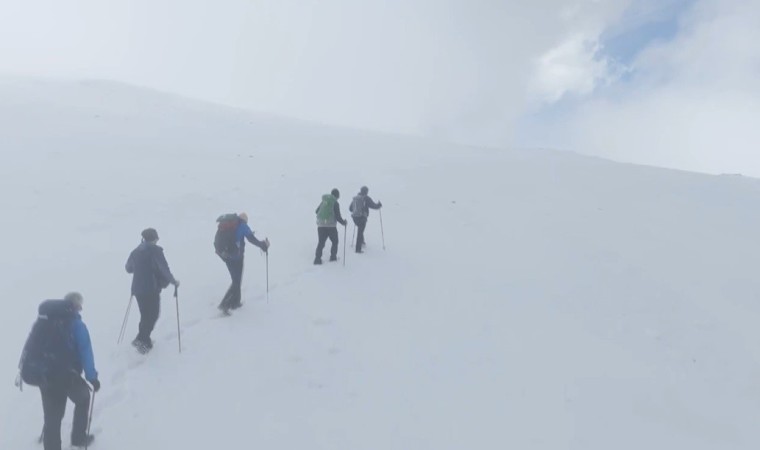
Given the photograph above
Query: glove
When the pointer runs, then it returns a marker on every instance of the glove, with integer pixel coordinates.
(176, 283)
(95, 385)
(345, 223)
(379, 204)
(265, 245)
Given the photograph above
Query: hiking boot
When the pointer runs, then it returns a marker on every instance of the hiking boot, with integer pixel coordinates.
(141, 347)
(318, 261)
(358, 250)
(83, 441)
(333, 258)
(236, 305)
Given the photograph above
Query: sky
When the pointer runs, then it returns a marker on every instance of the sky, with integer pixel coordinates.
(672, 83)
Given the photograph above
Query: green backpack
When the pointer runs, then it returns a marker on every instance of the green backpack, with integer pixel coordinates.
(326, 210)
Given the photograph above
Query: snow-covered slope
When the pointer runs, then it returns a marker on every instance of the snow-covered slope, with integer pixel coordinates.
(526, 299)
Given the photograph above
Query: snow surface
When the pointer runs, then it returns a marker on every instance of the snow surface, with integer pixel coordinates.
(526, 299)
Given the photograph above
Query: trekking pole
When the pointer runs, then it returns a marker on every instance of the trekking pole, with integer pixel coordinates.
(345, 233)
(179, 335)
(267, 275)
(382, 233)
(124, 323)
(89, 421)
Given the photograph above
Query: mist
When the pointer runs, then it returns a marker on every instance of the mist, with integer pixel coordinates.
(494, 73)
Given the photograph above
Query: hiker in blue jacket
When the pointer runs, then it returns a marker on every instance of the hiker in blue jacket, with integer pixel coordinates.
(233, 257)
(63, 380)
(151, 274)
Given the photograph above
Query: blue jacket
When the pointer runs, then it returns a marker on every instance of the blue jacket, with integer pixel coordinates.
(242, 233)
(77, 345)
(83, 349)
(151, 271)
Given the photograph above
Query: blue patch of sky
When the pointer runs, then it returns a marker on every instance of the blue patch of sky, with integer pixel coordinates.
(644, 23)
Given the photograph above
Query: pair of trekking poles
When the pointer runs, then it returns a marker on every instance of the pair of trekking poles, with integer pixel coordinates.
(126, 319)
(353, 236)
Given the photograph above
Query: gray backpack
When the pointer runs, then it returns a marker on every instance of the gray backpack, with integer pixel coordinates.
(358, 206)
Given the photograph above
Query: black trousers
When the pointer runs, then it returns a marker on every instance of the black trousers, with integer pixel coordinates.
(54, 399)
(150, 309)
(361, 224)
(324, 233)
(233, 297)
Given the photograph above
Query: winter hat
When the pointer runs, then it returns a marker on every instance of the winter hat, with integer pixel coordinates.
(150, 234)
(243, 216)
(364, 190)
(74, 298)
(335, 193)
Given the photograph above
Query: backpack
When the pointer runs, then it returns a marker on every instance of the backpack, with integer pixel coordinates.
(224, 240)
(358, 206)
(49, 351)
(326, 210)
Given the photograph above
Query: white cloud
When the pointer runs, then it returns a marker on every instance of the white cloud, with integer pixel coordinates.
(570, 68)
(460, 70)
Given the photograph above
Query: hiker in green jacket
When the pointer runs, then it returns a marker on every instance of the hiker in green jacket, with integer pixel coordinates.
(328, 217)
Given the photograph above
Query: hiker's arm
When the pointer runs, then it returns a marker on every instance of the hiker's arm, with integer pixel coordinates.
(130, 266)
(336, 210)
(248, 233)
(163, 268)
(84, 349)
(372, 204)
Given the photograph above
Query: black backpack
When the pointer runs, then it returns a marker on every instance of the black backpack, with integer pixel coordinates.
(224, 241)
(49, 352)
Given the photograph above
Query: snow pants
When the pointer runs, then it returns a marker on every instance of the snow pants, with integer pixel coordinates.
(233, 297)
(361, 224)
(54, 399)
(323, 233)
(150, 309)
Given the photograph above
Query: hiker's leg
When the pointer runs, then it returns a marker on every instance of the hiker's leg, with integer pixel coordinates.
(236, 271)
(53, 407)
(361, 224)
(79, 393)
(333, 234)
(322, 233)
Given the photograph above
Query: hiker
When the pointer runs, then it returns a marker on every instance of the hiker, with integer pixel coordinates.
(56, 353)
(328, 216)
(229, 244)
(359, 208)
(151, 274)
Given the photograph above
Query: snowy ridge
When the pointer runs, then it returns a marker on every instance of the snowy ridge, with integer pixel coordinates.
(527, 299)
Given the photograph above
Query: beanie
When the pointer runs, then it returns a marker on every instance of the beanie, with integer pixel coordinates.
(150, 235)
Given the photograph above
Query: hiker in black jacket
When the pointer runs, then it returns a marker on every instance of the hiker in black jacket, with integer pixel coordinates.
(151, 274)
(359, 208)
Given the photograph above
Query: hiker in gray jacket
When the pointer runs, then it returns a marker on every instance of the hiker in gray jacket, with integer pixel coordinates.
(359, 208)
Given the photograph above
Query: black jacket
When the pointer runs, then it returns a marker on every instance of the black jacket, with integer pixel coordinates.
(151, 271)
